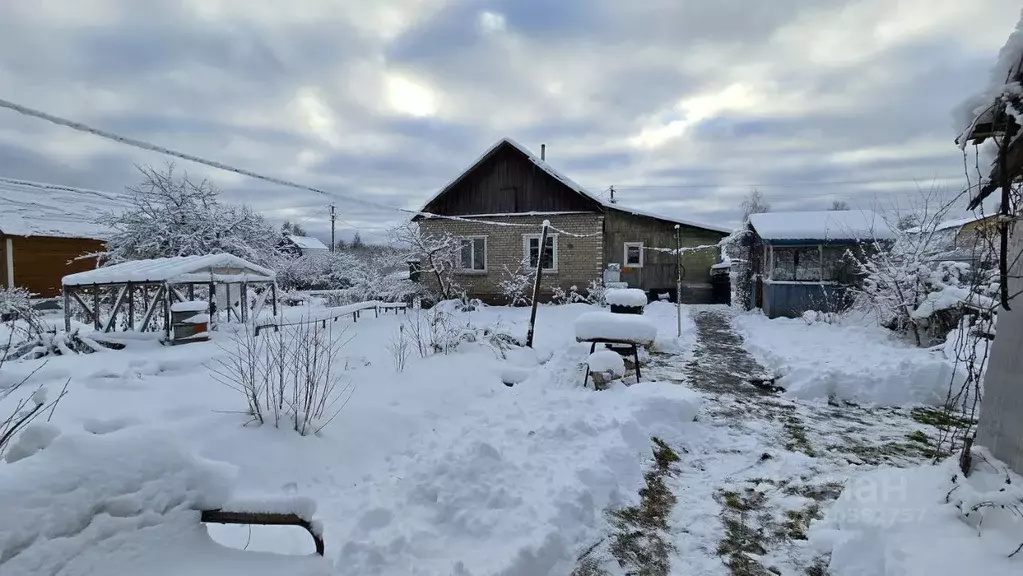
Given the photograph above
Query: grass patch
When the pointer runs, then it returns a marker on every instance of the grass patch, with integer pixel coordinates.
(797, 439)
(742, 536)
(940, 418)
(819, 492)
(797, 522)
(918, 436)
(639, 539)
(819, 567)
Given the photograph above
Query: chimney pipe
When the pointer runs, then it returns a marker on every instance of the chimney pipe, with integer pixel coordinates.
(543, 152)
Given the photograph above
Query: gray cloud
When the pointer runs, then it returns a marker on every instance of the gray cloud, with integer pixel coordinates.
(681, 105)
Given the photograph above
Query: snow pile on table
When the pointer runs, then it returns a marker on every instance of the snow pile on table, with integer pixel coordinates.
(606, 361)
(633, 297)
(608, 326)
(908, 522)
(121, 503)
(861, 364)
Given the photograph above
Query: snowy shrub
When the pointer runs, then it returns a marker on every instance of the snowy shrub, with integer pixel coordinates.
(572, 295)
(172, 215)
(516, 284)
(27, 408)
(400, 348)
(595, 293)
(289, 378)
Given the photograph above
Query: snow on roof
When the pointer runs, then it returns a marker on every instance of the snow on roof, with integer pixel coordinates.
(307, 242)
(180, 269)
(821, 225)
(949, 224)
(977, 108)
(574, 186)
(36, 209)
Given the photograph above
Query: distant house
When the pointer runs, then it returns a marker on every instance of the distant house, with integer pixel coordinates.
(510, 184)
(963, 239)
(798, 259)
(303, 245)
(48, 232)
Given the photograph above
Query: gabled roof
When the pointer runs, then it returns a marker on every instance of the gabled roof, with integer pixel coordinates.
(817, 226)
(180, 269)
(36, 209)
(306, 242)
(571, 184)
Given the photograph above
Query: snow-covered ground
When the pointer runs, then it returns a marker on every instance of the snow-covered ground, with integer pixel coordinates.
(440, 469)
(856, 362)
(444, 468)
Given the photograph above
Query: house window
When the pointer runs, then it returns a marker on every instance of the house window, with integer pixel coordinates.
(531, 251)
(633, 256)
(474, 254)
(802, 264)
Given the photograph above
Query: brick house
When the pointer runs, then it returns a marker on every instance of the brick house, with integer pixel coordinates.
(511, 185)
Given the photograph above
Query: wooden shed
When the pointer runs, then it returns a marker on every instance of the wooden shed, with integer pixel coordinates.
(49, 231)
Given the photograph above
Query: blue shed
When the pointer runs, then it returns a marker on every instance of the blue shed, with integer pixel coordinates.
(800, 261)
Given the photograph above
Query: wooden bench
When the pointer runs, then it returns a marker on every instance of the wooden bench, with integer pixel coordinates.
(393, 306)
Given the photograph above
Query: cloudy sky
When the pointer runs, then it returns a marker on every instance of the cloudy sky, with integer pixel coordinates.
(681, 105)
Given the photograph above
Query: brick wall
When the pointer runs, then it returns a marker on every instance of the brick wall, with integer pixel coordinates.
(579, 259)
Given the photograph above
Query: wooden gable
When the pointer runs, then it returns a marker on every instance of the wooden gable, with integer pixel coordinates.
(507, 181)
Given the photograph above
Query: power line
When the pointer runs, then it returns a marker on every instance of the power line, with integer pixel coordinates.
(793, 184)
(80, 127)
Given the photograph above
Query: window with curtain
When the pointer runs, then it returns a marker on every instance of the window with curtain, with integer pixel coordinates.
(474, 253)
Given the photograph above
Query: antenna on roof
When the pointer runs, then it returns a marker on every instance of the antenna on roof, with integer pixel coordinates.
(543, 152)
(612, 194)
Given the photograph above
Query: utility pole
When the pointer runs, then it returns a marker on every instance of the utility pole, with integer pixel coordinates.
(678, 278)
(333, 218)
(536, 282)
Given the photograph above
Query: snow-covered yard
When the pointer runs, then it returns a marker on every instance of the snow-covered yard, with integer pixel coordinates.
(442, 468)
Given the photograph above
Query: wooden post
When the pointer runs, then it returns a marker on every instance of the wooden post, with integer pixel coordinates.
(678, 282)
(167, 311)
(95, 307)
(227, 300)
(245, 302)
(211, 297)
(67, 308)
(131, 305)
(536, 283)
(273, 294)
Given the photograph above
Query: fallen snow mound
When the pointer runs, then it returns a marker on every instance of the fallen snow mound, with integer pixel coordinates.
(897, 522)
(604, 325)
(626, 297)
(865, 365)
(607, 361)
(121, 503)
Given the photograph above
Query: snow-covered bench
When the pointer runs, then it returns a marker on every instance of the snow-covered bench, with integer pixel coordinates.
(332, 314)
(624, 329)
(385, 306)
(133, 502)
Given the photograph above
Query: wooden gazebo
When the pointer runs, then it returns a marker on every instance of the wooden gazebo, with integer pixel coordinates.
(159, 283)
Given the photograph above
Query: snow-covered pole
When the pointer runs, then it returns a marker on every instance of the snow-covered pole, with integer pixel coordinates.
(678, 278)
(536, 282)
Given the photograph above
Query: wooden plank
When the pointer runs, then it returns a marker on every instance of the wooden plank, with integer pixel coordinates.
(262, 519)
(117, 306)
(150, 309)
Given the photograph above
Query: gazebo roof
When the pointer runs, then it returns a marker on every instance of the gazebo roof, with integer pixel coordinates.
(219, 268)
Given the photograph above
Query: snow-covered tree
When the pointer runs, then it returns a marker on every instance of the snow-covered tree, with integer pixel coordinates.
(908, 283)
(754, 203)
(173, 215)
(293, 228)
(439, 256)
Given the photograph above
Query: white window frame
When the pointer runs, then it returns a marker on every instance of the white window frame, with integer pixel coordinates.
(625, 254)
(554, 251)
(486, 255)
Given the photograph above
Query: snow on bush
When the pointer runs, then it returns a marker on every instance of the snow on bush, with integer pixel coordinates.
(31, 439)
(439, 257)
(632, 297)
(627, 327)
(861, 364)
(913, 522)
(290, 377)
(607, 361)
(516, 284)
(173, 215)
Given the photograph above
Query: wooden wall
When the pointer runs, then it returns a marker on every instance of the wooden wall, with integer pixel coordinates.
(658, 270)
(40, 262)
(508, 182)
